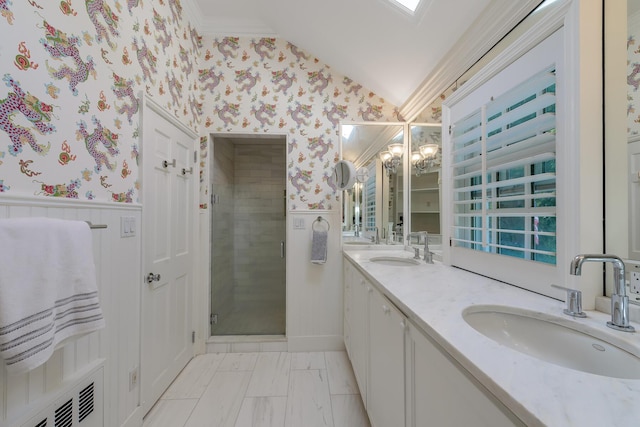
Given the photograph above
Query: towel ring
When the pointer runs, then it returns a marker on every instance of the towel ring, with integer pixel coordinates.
(319, 220)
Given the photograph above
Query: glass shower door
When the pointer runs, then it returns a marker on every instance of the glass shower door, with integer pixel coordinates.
(248, 235)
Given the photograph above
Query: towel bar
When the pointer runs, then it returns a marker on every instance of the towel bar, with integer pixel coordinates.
(95, 226)
(320, 220)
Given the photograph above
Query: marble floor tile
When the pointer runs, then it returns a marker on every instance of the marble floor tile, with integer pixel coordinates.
(340, 373)
(262, 412)
(309, 402)
(170, 413)
(348, 411)
(314, 360)
(195, 377)
(270, 389)
(270, 375)
(221, 402)
(238, 362)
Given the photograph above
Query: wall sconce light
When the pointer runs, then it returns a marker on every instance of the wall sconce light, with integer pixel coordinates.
(424, 158)
(392, 158)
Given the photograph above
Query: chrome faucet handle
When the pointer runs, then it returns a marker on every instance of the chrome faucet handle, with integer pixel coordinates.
(416, 253)
(428, 257)
(573, 302)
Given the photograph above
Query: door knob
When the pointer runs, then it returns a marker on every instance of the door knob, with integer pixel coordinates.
(153, 278)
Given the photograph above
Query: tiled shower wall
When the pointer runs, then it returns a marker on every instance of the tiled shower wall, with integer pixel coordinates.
(248, 273)
(259, 195)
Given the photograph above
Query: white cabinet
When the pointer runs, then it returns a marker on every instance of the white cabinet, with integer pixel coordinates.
(347, 274)
(442, 393)
(357, 290)
(405, 378)
(386, 400)
(374, 337)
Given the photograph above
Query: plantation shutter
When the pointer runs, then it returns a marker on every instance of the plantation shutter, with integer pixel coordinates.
(503, 170)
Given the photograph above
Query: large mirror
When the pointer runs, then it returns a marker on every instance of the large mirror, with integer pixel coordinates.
(622, 132)
(425, 141)
(399, 192)
(372, 208)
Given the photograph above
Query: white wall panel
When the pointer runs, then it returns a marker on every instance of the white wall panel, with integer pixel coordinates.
(117, 346)
(314, 291)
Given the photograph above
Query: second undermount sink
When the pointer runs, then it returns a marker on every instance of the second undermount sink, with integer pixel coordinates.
(395, 261)
(547, 339)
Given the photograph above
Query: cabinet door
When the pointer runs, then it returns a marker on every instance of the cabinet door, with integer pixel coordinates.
(386, 394)
(444, 394)
(359, 340)
(347, 276)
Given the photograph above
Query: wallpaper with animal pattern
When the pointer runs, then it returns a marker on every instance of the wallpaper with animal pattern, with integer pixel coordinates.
(633, 76)
(266, 85)
(73, 70)
(72, 73)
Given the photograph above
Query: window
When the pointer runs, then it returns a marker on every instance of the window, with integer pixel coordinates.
(370, 198)
(411, 5)
(502, 164)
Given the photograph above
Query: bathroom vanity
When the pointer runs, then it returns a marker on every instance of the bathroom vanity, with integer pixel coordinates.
(419, 361)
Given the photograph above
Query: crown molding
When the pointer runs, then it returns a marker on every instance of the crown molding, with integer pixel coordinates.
(527, 41)
(494, 23)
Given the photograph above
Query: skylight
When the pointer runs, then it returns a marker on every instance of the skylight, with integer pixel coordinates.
(412, 5)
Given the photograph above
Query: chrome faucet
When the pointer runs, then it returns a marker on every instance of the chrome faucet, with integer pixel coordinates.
(619, 298)
(428, 255)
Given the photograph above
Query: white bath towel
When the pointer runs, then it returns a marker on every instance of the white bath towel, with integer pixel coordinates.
(319, 247)
(48, 290)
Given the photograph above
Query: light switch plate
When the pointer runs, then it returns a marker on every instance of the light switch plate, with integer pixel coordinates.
(298, 223)
(127, 226)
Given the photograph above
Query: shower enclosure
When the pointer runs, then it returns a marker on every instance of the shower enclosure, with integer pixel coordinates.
(248, 268)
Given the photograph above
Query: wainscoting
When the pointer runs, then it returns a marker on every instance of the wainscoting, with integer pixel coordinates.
(117, 347)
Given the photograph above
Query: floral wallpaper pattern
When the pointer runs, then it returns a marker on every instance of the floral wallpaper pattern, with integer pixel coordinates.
(633, 76)
(259, 85)
(72, 74)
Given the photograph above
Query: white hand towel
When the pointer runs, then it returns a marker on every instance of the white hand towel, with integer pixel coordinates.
(48, 290)
(319, 247)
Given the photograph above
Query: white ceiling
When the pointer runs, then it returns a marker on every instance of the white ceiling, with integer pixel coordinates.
(376, 44)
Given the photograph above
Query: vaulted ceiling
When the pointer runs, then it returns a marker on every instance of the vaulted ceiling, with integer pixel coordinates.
(389, 51)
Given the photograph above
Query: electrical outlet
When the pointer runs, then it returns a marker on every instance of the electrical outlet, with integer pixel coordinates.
(634, 282)
(133, 379)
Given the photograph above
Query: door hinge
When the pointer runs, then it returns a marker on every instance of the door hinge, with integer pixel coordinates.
(213, 319)
(193, 337)
(195, 156)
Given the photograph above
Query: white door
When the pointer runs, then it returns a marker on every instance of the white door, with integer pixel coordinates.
(168, 200)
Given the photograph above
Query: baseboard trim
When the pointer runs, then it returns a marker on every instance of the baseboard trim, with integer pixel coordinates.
(316, 343)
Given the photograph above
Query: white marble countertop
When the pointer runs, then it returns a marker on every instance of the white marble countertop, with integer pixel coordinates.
(539, 393)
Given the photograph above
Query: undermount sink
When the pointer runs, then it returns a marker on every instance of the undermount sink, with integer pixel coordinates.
(358, 242)
(547, 339)
(395, 261)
